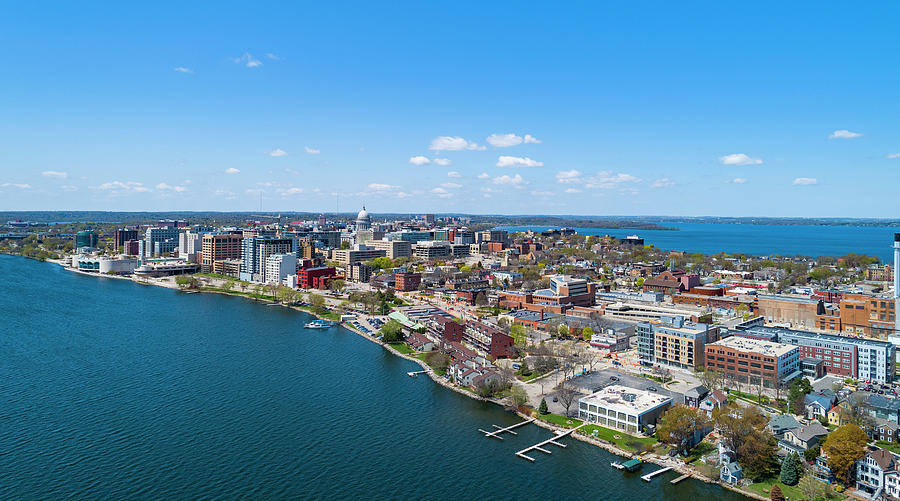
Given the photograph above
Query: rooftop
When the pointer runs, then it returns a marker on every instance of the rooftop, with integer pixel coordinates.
(748, 345)
(628, 400)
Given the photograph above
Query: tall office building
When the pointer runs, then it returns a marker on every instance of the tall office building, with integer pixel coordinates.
(160, 240)
(219, 248)
(255, 251)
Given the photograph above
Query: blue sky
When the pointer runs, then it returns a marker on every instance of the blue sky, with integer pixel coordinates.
(611, 108)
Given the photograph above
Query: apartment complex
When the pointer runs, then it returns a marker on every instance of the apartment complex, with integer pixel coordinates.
(256, 250)
(219, 248)
(358, 254)
(432, 249)
(674, 342)
(278, 267)
(866, 315)
(393, 248)
(754, 361)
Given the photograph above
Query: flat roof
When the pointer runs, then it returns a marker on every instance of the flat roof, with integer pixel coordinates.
(749, 345)
(628, 400)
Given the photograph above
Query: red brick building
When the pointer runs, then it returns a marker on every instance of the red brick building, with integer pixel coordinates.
(405, 282)
(316, 278)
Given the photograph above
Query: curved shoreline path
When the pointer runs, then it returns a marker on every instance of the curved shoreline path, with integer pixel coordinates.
(115, 391)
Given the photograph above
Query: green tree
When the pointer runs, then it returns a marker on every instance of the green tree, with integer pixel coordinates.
(382, 263)
(678, 427)
(562, 330)
(517, 332)
(775, 494)
(811, 454)
(518, 395)
(790, 469)
(337, 285)
(228, 285)
(797, 393)
(844, 446)
(392, 332)
(587, 333)
(543, 407)
(345, 245)
(317, 302)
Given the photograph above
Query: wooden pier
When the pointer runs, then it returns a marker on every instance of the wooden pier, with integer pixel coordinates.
(415, 373)
(679, 479)
(539, 447)
(649, 476)
(509, 429)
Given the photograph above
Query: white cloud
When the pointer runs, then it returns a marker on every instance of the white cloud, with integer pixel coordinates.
(453, 173)
(277, 152)
(402, 194)
(607, 179)
(451, 143)
(663, 183)
(182, 69)
(805, 181)
(382, 188)
(419, 160)
(441, 192)
(516, 180)
(443, 162)
(517, 162)
(568, 176)
(167, 187)
(504, 140)
(452, 186)
(55, 174)
(739, 180)
(844, 134)
(573, 190)
(483, 175)
(507, 140)
(271, 56)
(248, 61)
(893, 155)
(123, 187)
(232, 170)
(20, 186)
(312, 151)
(739, 159)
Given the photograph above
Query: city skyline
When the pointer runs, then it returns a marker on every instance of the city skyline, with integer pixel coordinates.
(476, 109)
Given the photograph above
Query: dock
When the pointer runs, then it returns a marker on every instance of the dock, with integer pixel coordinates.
(649, 476)
(509, 429)
(414, 373)
(540, 446)
(679, 479)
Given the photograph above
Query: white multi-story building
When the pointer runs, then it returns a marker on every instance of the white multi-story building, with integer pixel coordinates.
(623, 408)
(279, 266)
(432, 249)
(876, 474)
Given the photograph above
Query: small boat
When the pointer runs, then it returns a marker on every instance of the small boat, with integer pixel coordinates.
(319, 324)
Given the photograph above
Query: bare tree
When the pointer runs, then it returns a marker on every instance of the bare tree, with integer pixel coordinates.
(567, 396)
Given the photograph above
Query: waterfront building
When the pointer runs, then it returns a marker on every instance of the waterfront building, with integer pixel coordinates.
(132, 247)
(625, 409)
(190, 244)
(219, 247)
(106, 265)
(160, 240)
(228, 267)
(674, 342)
(488, 339)
(279, 266)
(393, 248)
(255, 251)
(86, 239)
(754, 361)
(166, 269)
(123, 235)
(316, 277)
(877, 474)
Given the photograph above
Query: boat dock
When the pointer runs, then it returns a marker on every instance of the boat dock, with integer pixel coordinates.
(679, 479)
(539, 447)
(414, 373)
(496, 433)
(649, 476)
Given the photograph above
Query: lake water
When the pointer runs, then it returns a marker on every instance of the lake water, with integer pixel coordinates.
(712, 238)
(113, 390)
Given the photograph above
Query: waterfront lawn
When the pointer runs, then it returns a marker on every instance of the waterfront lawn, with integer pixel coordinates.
(625, 441)
(702, 449)
(560, 420)
(763, 488)
(401, 347)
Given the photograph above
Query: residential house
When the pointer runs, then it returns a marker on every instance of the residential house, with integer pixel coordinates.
(818, 404)
(729, 469)
(713, 401)
(876, 474)
(838, 416)
(693, 396)
(886, 431)
(781, 424)
(805, 437)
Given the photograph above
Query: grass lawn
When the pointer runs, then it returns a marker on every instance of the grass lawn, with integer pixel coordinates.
(534, 375)
(702, 449)
(625, 441)
(565, 422)
(401, 347)
(764, 487)
(895, 448)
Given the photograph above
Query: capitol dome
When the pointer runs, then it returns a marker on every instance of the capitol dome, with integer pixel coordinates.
(363, 220)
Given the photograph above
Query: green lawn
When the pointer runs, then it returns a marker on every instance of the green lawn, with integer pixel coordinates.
(702, 449)
(790, 492)
(401, 347)
(565, 422)
(624, 440)
(895, 448)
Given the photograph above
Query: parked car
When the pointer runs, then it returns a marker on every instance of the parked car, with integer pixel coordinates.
(651, 388)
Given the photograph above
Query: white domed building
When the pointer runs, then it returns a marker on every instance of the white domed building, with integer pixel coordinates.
(363, 220)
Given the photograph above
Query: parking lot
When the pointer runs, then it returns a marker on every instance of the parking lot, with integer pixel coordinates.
(603, 378)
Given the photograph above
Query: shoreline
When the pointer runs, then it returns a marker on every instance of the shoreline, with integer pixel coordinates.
(611, 448)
